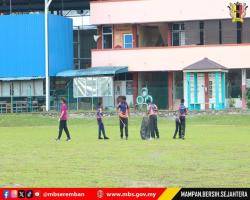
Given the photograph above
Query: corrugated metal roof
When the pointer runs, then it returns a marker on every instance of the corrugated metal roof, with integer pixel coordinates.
(38, 5)
(20, 78)
(204, 65)
(93, 71)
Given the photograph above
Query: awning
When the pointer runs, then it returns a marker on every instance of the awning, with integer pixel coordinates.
(20, 78)
(205, 65)
(93, 71)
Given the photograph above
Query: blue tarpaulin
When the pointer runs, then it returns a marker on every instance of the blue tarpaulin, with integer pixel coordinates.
(93, 71)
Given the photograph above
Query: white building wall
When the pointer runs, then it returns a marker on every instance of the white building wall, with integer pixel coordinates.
(144, 11)
(172, 59)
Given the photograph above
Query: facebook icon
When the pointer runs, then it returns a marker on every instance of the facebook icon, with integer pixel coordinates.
(6, 194)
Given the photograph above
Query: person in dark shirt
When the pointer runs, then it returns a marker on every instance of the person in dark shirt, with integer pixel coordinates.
(177, 126)
(123, 113)
(152, 113)
(99, 117)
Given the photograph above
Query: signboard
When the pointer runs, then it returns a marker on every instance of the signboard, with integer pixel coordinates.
(93, 87)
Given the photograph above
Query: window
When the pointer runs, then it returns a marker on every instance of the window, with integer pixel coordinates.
(107, 37)
(220, 32)
(178, 35)
(127, 41)
(201, 33)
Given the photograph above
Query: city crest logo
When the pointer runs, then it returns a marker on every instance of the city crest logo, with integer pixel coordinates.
(238, 11)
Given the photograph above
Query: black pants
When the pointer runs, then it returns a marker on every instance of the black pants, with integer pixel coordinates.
(101, 129)
(124, 124)
(63, 126)
(183, 126)
(153, 126)
(177, 129)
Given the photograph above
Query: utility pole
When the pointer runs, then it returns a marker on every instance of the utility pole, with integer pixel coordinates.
(10, 7)
(46, 9)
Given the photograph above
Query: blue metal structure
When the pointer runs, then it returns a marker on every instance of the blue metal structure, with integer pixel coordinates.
(22, 45)
(93, 71)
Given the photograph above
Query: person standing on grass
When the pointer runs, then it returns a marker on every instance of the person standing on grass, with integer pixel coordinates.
(123, 113)
(99, 116)
(63, 120)
(182, 113)
(177, 126)
(152, 113)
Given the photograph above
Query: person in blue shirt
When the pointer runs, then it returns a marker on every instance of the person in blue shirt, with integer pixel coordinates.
(99, 117)
(182, 113)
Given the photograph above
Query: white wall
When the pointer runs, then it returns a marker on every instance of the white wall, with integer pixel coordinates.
(172, 58)
(144, 11)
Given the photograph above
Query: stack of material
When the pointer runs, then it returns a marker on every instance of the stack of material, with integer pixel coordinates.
(145, 131)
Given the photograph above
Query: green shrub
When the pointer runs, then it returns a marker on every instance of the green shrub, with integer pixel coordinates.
(231, 103)
(248, 103)
(248, 94)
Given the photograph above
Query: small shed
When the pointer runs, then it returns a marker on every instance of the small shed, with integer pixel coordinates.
(204, 85)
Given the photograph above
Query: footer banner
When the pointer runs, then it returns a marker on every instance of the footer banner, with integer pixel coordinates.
(124, 193)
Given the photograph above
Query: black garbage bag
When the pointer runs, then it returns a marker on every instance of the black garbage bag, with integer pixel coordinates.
(145, 132)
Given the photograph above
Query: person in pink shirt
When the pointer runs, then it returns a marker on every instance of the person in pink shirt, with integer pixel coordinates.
(63, 121)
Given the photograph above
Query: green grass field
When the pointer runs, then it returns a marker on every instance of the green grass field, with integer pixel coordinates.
(216, 153)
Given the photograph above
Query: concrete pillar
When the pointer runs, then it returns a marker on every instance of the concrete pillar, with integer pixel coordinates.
(243, 89)
(169, 34)
(164, 31)
(170, 91)
(99, 41)
(135, 86)
(135, 39)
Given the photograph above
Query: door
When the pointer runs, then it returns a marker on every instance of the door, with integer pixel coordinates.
(206, 90)
(127, 41)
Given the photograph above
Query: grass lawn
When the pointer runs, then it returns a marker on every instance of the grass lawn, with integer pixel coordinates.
(216, 153)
